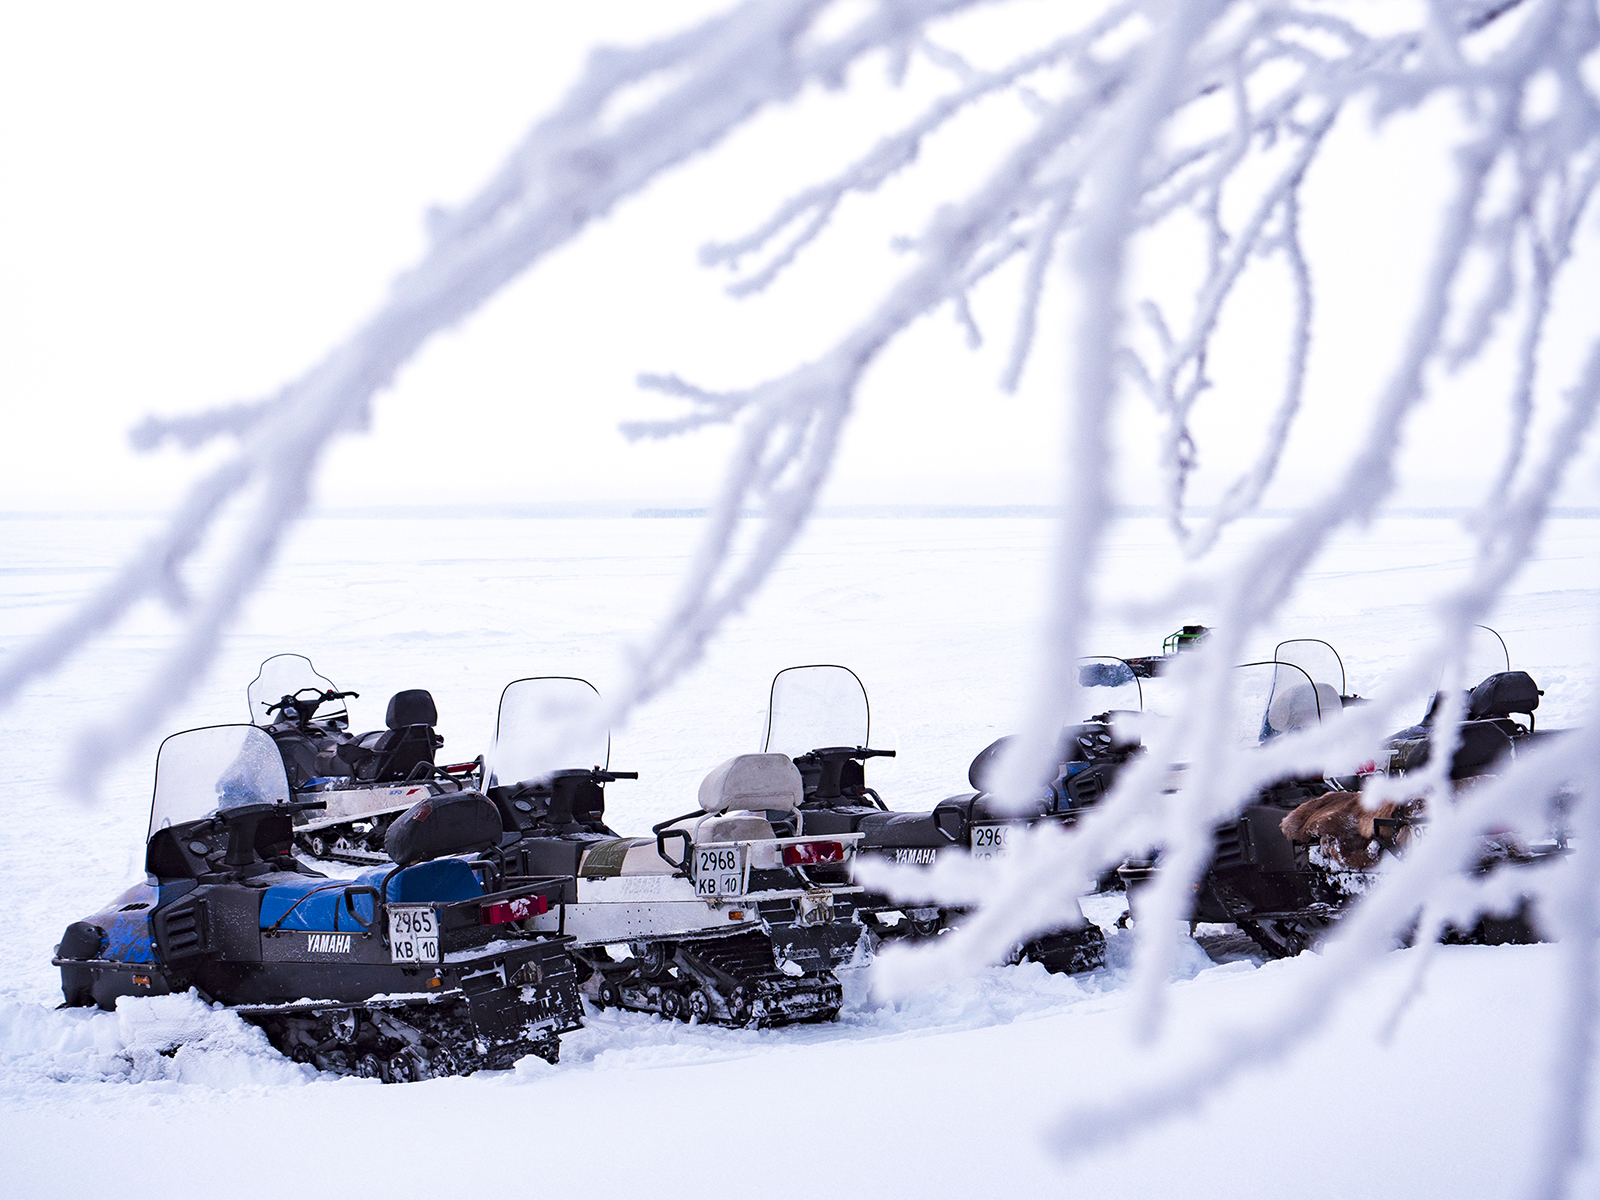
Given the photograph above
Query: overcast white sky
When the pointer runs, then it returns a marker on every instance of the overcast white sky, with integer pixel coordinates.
(200, 200)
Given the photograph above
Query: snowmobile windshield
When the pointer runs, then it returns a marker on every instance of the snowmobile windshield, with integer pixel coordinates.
(1485, 654)
(532, 714)
(1316, 658)
(1272, 698)
(1109, 685)
(221, 766)
(284, 675)
(816, 706)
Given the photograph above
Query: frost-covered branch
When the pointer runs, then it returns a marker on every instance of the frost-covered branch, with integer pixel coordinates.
(1136, 123)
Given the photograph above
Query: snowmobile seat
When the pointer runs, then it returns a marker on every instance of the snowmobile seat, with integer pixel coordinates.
(1482, 743)
(454, 823)
(317, 905)
(407, 743)
(444, 880)
(947, 825)
(753, 782)
(1501, 695)
(1301, 707)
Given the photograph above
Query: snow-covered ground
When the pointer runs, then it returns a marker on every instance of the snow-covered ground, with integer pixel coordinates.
(952, 1093)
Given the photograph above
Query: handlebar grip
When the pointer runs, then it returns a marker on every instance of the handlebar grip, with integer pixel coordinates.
(877, 753)
(622, 774)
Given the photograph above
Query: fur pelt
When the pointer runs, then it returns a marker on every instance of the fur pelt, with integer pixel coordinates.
(1348, 833)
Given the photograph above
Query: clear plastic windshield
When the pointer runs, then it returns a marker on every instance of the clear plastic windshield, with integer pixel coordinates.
(1316, 658)
(1485, 654)
(221, 766)
(816, 706)
(1109, 685)
(533, 713)
(284, 675)
(1275, 698)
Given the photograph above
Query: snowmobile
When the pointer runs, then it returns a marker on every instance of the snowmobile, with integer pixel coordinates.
(820, 715)
(411, 971)
(364, 780)
(1303, 849)
(715, 916)
(1185, 638)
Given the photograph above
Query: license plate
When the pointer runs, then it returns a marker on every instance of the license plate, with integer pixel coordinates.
(413, 933)
(719, 870)
(989, 841)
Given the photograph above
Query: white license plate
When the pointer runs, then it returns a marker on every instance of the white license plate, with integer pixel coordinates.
(719, 870)
(413, 933)
(989, 841)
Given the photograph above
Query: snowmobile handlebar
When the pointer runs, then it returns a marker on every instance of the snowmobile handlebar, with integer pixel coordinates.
(859, 753)
(269, 808)
(304, 709)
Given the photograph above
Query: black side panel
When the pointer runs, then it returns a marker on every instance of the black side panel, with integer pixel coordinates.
(835, 820)
(180, 928)
(233, 921)
(550, 856)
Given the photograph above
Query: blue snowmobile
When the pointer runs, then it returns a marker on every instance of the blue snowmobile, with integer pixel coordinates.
(408, 971)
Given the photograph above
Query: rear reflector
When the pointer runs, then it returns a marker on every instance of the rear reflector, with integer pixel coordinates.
(513, 910)
(809, 853)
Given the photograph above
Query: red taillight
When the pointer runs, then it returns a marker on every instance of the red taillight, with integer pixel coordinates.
(513, 910)
(810, 853)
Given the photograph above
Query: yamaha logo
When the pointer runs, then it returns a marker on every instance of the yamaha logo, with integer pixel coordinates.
(916, 858)
(328, 943)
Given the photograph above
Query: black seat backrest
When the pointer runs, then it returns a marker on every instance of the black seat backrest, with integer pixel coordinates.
(411, 707)
(408, 743)
(456, 823)
(1503, 694)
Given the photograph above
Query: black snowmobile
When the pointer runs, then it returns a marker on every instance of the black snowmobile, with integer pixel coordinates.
(820, 714)
(407, 972)
(364, 780)
(712, 917)
(1303, 849)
